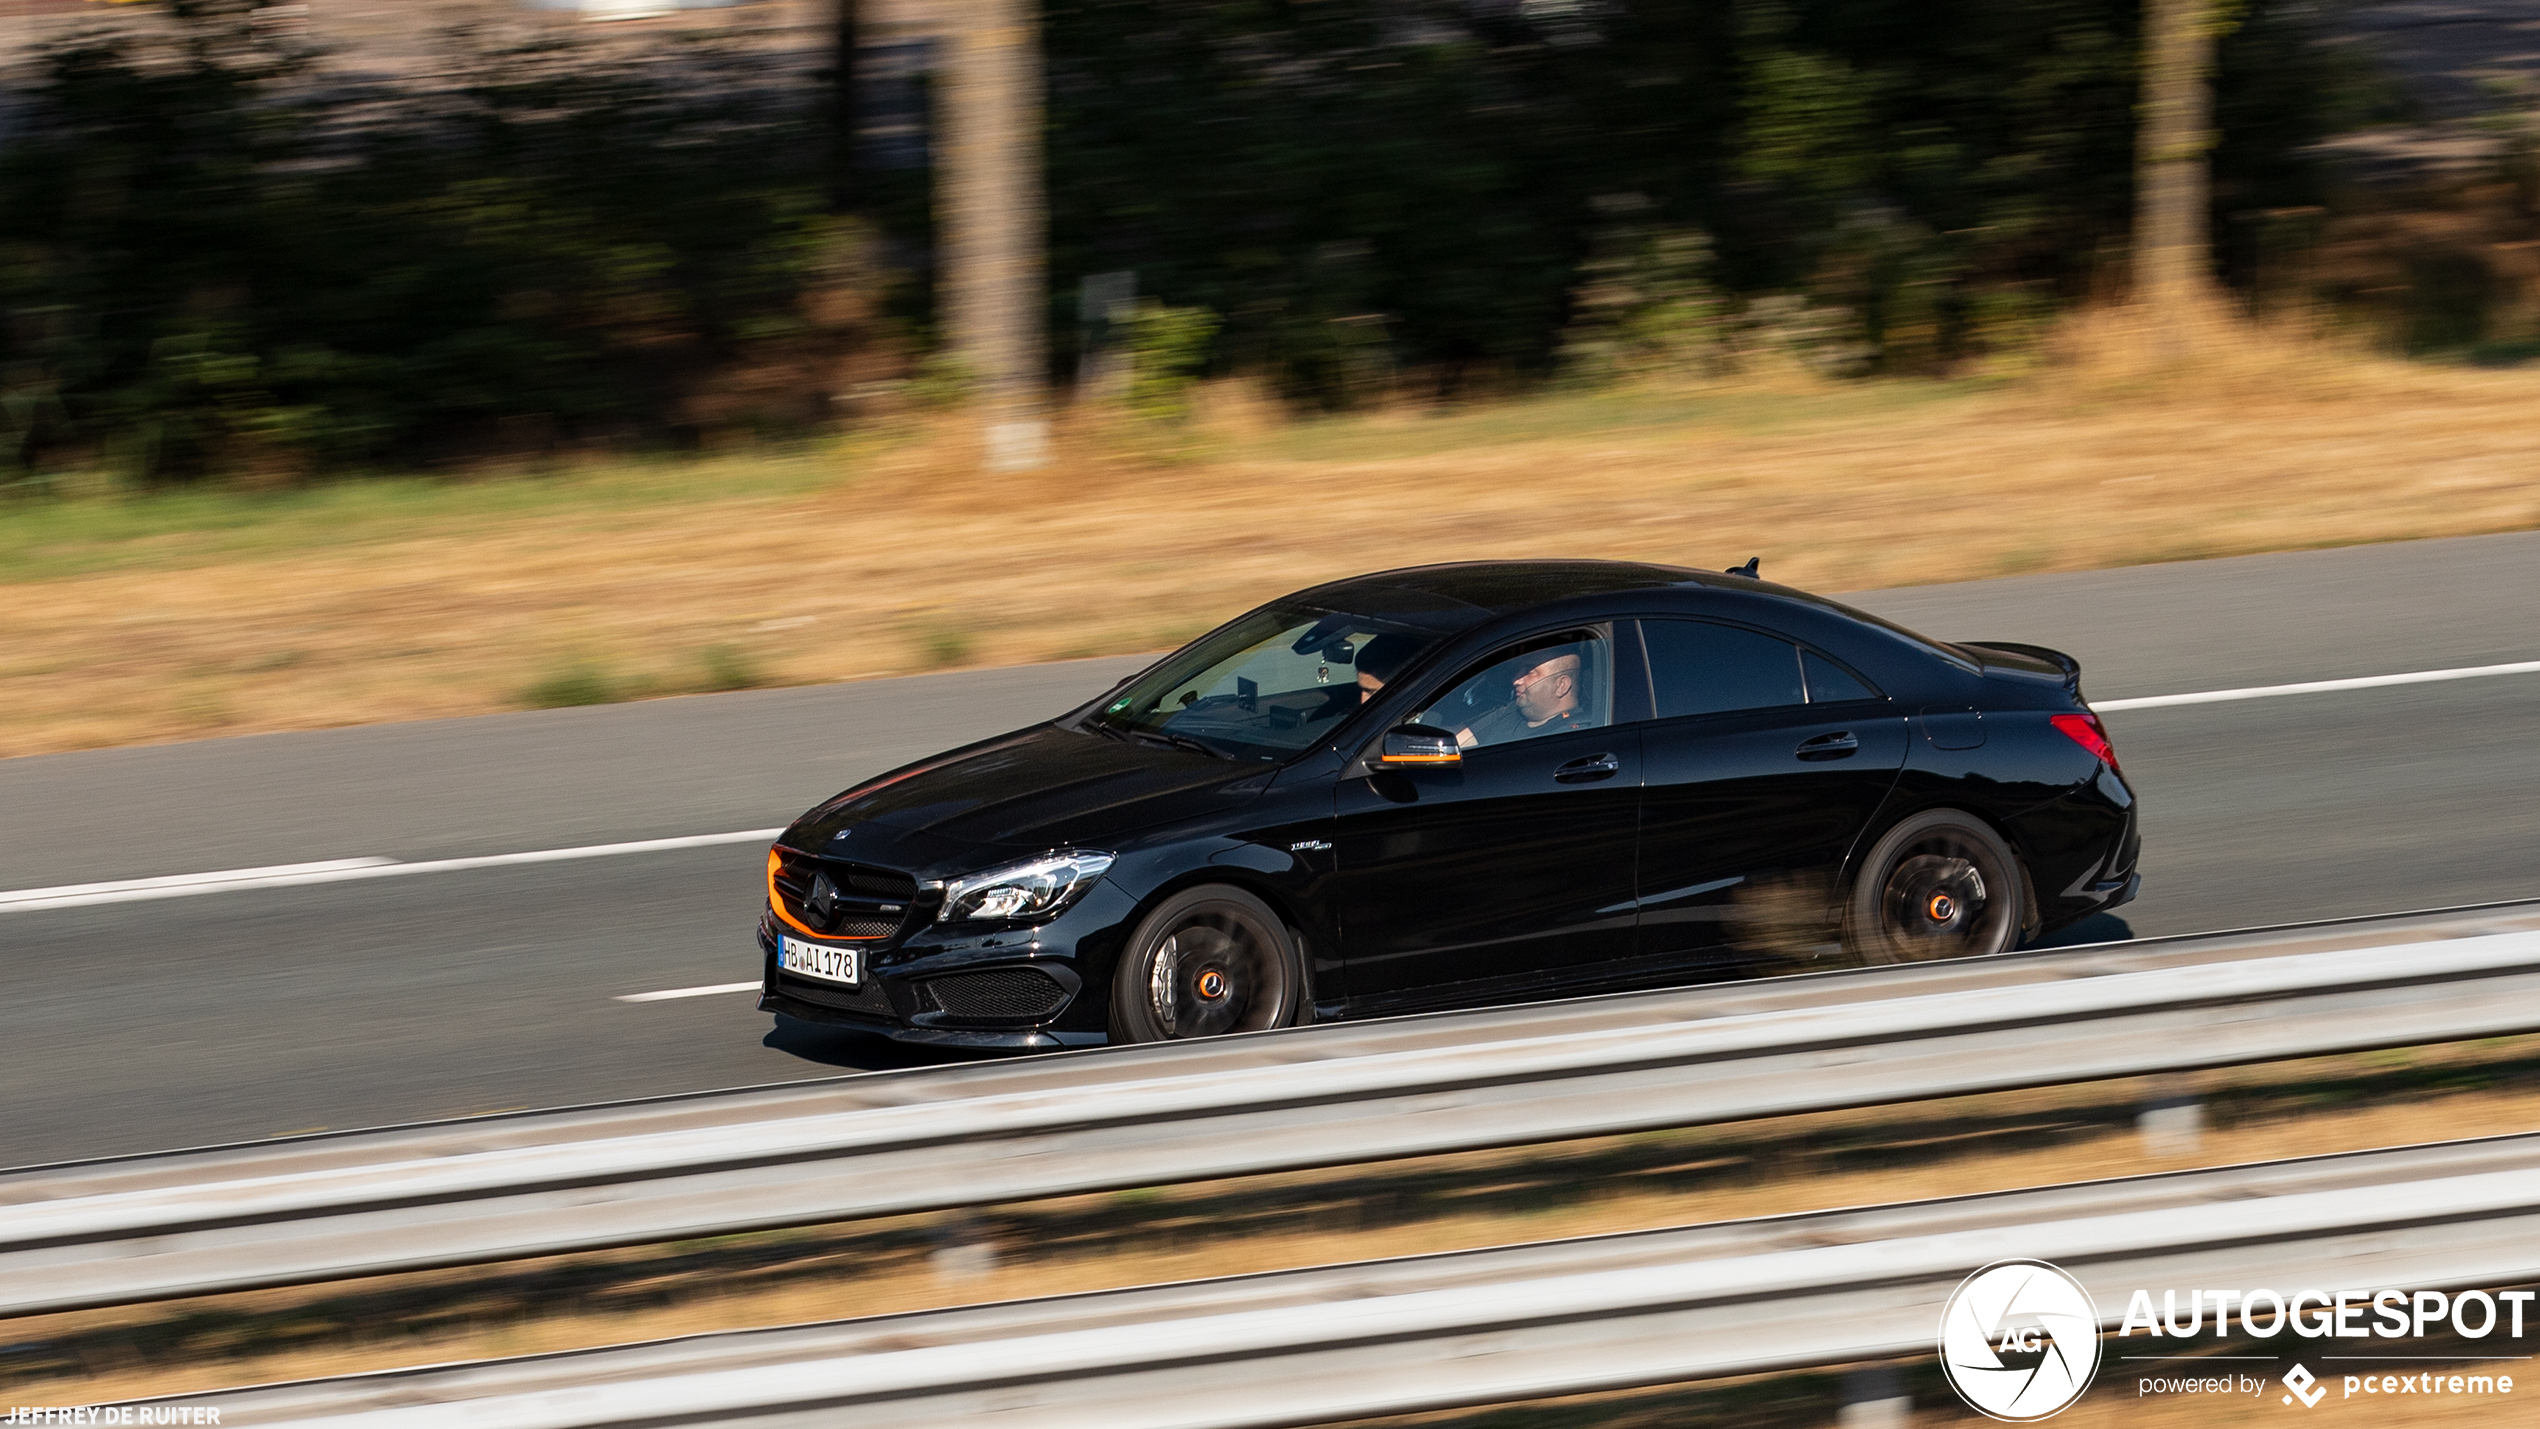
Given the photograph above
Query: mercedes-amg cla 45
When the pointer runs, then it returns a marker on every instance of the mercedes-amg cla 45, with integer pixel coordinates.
(1455, 786)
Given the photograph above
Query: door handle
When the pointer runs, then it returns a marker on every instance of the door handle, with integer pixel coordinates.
(1838, 745)
(1594, 766)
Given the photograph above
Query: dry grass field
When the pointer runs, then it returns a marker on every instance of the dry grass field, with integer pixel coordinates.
(136, 619)
(1412, 1207)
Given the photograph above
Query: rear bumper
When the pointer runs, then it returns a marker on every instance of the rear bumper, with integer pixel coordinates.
(2081, 852)
(2118, 893)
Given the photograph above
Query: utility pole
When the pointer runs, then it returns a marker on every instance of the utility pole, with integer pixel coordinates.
(2174, 143)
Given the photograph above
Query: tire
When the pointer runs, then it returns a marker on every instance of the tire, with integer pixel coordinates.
(1942, 884)
(1208, 961)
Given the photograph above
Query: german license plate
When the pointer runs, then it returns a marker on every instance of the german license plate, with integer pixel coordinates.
(818, 960)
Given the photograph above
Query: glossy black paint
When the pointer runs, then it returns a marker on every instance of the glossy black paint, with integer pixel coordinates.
(1718, 843)
(1474, 881)
(1744, 810)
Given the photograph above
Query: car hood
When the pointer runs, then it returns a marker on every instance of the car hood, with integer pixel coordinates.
(1041, 788)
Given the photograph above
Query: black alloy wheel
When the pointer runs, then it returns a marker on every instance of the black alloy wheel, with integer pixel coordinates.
(1207, 961)
(1941, 884)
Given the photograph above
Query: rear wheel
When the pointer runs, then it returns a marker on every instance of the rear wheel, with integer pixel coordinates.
(1941, 884)
(1207, 961)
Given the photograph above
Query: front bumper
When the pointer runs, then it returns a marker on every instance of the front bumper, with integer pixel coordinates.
(971, 986)
(1026, 1039)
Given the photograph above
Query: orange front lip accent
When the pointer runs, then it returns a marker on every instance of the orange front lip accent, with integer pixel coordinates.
(776, 905)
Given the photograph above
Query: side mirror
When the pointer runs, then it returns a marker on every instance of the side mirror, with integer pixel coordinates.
(1410, 744)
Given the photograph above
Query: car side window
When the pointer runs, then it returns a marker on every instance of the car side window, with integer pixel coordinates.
(1698, 668)
(1546, 685)
(1829, 682)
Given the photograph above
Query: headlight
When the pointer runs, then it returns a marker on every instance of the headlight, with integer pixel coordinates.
(1036, 889)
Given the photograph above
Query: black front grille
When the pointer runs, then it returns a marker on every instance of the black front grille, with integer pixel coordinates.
(997, 995)
(867, 903)
(868, 998)
(847, 925)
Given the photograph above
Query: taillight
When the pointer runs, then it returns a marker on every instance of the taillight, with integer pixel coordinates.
(2084, 730)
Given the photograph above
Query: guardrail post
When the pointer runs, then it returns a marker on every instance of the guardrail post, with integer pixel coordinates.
(2172, 1121)
(964, 1251)
(1874, 1397)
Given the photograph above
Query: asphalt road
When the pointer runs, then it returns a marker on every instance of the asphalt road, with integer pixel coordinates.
(139, 1026)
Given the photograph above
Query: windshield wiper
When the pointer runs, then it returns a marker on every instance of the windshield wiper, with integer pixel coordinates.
(1098, 726)
(1180, 741)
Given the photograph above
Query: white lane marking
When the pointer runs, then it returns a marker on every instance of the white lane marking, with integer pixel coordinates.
(342, 870)
(2313, 687)
(190, 882)
(668, 993)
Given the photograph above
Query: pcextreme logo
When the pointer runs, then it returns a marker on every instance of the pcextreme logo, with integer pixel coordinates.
(2309, 1391)
(2305, 1387)
(2019, 1340)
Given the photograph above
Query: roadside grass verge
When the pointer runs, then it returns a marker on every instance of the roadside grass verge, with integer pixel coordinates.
(92, 525)
(135, 619)
(1416, 1206)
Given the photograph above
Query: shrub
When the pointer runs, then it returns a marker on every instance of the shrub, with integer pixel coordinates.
(582, 683)
(944, 645)
(1168, 350)
(1645, 307)
(729, 667)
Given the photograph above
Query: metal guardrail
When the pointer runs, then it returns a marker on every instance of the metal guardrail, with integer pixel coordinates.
(1521, 1322)
(541, 1183)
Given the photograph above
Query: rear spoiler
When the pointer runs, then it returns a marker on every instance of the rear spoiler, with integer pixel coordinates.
(2027, 657)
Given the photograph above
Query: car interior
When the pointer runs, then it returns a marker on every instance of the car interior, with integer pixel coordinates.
(1475, 696)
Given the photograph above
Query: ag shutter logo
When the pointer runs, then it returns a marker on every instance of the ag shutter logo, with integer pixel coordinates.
(2019, 1340)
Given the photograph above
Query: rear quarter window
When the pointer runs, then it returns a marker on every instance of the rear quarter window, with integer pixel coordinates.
(1829, 682)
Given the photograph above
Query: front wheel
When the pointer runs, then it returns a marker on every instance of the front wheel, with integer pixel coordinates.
(1941, 884)
(1207, 961)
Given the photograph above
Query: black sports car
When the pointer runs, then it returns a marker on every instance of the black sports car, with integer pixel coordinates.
(1452, 786)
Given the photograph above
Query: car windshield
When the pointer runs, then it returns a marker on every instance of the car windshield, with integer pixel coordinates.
(1266, 686)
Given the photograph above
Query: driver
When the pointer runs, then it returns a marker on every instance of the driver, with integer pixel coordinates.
(1546, 702)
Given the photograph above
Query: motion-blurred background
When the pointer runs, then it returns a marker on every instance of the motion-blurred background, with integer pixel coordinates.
(357, 231)
(331, 332)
